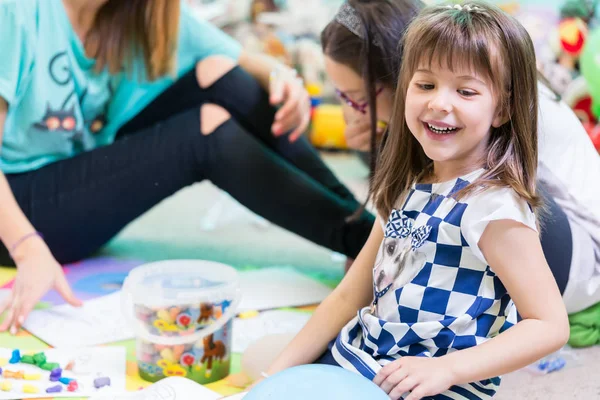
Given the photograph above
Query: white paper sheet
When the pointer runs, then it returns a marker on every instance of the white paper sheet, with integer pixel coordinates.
(172, 388)
(278, 287)
(248, 330)
(90, 363)
(98, 321)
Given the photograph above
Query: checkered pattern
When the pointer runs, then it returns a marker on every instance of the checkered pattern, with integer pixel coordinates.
(455, 301)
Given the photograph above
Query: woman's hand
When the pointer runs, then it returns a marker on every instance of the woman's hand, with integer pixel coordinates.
(287, 89)
(37, 272)
(421, 376)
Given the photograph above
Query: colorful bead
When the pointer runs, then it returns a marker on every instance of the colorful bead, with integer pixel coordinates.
(16, 356)
(13, 374)
(27, 359)
(39, 359)
(55, 374)
(49, 366)
(65, 380)
(54, 389)
(6, 386)
(30, 389)
(32, 376)
(101, 382)
(72, 386)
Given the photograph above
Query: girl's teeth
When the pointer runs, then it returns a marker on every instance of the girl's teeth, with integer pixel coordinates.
(437, 129)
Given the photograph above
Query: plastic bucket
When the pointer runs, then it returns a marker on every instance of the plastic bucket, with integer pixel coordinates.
(181, 312)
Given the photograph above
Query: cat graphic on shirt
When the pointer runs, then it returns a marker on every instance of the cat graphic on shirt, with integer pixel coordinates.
(60, 121)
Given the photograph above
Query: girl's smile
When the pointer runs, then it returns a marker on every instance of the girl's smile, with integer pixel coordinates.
(438, 130)
(450, 111)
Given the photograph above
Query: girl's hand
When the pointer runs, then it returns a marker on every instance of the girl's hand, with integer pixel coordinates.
(358, 134)
(358, 130)
(421, 376)
(37, 272)
(287, 89)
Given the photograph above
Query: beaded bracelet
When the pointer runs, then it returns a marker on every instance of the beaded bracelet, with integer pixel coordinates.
(22, 239)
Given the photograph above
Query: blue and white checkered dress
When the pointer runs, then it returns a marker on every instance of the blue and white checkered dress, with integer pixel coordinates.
(434, 292)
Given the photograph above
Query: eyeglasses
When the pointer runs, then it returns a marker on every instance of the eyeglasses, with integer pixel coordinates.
(362, 107)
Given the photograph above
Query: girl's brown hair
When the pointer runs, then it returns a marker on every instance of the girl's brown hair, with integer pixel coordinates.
(495, 45)
(126, 29)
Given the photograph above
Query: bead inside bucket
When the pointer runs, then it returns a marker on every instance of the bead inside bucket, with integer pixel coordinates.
(182, 313)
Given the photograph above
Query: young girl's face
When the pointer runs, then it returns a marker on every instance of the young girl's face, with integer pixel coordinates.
(451, 113)
(352, 87)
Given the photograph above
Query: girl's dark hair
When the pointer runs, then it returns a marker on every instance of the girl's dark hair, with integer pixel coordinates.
(376, 57)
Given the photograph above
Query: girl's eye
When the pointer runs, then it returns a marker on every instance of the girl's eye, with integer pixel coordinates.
(466, 93)
(425, 86)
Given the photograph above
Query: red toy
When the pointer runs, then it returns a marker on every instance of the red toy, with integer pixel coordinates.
(72, 386)
(593, 131)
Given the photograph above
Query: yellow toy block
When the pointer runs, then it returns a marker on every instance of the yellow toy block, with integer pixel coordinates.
(248, 314)
(32, 376)
(5, 386)
(30, 389)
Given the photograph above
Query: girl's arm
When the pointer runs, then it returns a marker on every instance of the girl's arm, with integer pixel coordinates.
(13, 223)
(37, 270)
(526, 275)
(354, 292)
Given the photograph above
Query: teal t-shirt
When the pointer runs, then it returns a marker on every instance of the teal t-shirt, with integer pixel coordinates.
(58, 105)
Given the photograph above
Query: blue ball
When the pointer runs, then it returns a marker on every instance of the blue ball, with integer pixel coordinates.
(316, 382)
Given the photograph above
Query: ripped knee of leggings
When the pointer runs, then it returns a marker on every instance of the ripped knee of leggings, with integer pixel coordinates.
(213, 68)
(212, 116)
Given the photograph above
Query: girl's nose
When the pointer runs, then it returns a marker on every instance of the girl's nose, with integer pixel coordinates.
(441, 102)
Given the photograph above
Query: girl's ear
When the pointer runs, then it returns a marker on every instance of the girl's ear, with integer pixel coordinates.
(501, 117)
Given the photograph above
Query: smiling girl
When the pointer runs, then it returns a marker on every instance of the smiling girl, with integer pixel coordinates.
(429, 308)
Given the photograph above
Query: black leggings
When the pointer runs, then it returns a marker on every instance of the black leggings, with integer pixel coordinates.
(80, 203)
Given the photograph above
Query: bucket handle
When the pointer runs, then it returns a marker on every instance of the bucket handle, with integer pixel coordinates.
(127, 308)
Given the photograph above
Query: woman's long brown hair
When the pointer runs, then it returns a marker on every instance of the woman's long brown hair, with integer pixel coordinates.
(127, 29)
(495, 45)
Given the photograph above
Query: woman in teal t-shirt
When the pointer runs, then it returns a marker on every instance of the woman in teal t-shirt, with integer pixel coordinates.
(108, 107)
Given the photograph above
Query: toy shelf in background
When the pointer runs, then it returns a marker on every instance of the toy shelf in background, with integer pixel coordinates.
(566, 37)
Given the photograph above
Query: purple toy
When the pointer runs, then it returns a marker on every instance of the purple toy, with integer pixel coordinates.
(55, 374)
(54, 389)
(101, 382)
